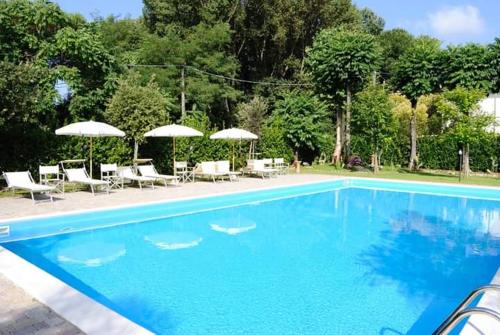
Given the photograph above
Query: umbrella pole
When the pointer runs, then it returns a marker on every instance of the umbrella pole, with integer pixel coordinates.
(90, 156)
(175, 172)
(233, 155)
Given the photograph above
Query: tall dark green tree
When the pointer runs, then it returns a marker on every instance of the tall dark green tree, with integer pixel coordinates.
(417, 73)
(306, 121)
(494, 49)
(394, 43)
(340, 62)
(373, 119)
(467, 66)
(372, 23)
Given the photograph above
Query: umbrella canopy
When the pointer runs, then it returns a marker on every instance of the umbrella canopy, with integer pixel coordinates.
(173, 130)
(90, 129)
(234, 134)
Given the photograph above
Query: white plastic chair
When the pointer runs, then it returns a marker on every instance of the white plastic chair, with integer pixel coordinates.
(51, 176)
(109, 173)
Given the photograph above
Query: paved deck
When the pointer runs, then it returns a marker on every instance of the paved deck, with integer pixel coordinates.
(19, 206)
(21, 314)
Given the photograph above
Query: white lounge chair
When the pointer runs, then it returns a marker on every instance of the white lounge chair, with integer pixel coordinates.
(209, 169)
(257, 167)
(80, 176)
(150, 171)
(24, 181)
(126, 173)
(223, 167)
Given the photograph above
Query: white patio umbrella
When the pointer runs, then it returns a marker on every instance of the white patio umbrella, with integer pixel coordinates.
(173, 130)
(234, 134)
(90, 129)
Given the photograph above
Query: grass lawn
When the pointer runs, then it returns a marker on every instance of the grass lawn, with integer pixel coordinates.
(403, 174)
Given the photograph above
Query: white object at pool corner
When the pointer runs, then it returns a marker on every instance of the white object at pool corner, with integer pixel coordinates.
(24, 181)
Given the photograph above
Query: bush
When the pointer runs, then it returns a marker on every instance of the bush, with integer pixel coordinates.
(441, 152)
(273, 143)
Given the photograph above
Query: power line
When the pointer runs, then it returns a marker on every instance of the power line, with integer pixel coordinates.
(219, 75)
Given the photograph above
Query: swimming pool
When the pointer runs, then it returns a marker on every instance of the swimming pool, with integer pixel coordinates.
(343, 257)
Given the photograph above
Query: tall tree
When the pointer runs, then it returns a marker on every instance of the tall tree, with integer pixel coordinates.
(340, 62)
(372, 23)
(494, 49)
(417, 74)
(137, 109)
(463, 120)
(252, 114)
(306, 118)
(468, 66)
(373, 119)
(394, 43)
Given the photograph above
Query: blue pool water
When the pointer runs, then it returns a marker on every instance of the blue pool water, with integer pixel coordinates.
(341, 261)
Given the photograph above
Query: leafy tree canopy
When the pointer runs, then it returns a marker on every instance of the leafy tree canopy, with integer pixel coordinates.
(340, 58)
(467, 66)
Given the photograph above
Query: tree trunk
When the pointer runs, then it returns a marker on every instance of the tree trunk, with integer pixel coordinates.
(347, 122)
(136, 150)
(375, 162)
(465, 160)
(338, 141)
(183, 94)
(413, 138)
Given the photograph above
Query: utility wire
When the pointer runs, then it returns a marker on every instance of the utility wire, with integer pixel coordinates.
(218, 75)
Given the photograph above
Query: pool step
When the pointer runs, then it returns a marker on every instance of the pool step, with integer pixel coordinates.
(4, 231)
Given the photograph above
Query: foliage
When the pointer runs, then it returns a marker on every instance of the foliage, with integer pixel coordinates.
(372, 23)
(441, 152)
(136, 109)
(394, 43)
(251, 114)
(306, 121)
(462, 119)
(467, 66)
(273, 141)
(417, 70)
(373, 119)
(200, 49)
(198, 149)
(340, 58)
(494, 50)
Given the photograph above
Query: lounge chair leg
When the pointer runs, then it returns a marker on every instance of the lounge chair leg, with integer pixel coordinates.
(140, 185)
(33, 197)
(92, 189)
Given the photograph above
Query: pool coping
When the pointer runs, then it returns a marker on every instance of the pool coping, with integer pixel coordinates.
(333, 178)
(91, 316)
(82, 311)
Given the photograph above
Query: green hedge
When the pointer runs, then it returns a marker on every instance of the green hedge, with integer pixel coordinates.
(441, 152)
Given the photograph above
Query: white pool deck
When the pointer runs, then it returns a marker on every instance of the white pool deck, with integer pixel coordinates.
(32, 288)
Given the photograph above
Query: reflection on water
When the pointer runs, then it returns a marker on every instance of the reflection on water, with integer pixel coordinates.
(233, 225)
(173, 240)
(91, 254)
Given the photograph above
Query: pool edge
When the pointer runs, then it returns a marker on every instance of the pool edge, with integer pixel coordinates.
(82, 311)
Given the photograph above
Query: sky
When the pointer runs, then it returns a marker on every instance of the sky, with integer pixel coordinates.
(451, 21)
